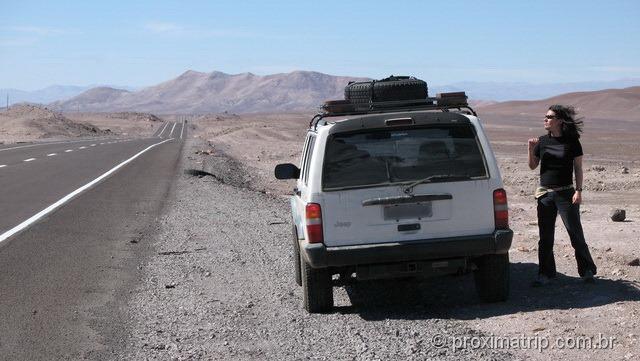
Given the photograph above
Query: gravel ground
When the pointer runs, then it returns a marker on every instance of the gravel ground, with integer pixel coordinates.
(220, 285)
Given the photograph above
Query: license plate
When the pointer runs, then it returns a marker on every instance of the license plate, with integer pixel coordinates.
(408, 211)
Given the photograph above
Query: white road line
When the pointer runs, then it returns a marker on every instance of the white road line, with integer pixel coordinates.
(51, 154)
(29, 160)
(163, 128)
(68, 150)
(2, 165)
(101, 143)
(41, 144)
(36, 217)
(172, 128)
(93, 145)
(182, 129)
(82, 148)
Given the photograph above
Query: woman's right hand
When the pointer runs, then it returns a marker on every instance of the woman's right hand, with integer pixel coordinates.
(532, 143)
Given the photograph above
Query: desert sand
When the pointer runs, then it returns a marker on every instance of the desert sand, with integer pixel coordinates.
(242, 150)
(28, 123)
(256, 143)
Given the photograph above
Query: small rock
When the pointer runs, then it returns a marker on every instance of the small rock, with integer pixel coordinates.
(618, 215)
(170, 285)
(523, 249)
(634, 262)
(624, 170)
(598, 168)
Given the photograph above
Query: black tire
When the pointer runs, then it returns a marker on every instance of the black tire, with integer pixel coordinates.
(317, 290)
(296, 258)
(389, 89)
(492, 277)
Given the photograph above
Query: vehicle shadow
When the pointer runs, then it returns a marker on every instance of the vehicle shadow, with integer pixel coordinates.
(455, 297)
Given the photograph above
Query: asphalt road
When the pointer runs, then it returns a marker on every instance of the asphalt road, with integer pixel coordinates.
(73, 218)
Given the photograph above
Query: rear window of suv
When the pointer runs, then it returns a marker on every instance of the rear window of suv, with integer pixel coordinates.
(381, 157)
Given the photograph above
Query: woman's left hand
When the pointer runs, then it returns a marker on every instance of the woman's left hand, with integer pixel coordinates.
(577, 197)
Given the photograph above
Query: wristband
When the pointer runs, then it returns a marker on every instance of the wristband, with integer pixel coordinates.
(579, 189)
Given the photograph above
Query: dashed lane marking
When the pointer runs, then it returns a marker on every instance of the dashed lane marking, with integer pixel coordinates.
(2, 165)
(29, 160)
(41, 144)
(82, 148)
(51, 154)
(36, 217)
(172, 128)
(68, 150)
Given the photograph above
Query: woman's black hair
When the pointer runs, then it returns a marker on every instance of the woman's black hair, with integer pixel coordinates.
(571, 126)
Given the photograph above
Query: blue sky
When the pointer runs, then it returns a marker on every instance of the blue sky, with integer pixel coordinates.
(139, 43)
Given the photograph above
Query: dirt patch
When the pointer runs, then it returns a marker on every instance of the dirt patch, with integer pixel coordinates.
(30, 122)
(25, 123)
(122, 123)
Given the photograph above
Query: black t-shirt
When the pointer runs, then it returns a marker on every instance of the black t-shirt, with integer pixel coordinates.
(556, 159)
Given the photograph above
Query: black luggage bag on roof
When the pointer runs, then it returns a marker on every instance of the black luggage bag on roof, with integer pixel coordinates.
(392, 88)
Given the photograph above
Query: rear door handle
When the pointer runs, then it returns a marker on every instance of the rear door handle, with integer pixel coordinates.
(408, 227)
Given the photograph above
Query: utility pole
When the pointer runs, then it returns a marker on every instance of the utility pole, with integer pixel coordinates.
(7, 101)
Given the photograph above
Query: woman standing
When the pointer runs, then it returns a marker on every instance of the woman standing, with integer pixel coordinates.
(559, 154)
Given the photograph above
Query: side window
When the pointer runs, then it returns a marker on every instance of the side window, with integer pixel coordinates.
(307, 159)
(303, 159)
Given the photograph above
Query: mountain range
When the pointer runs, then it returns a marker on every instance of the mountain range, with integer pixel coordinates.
(198, 92)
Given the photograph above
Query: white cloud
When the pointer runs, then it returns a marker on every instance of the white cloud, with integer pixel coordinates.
(168, 28)
(163, 28)
(615, 69)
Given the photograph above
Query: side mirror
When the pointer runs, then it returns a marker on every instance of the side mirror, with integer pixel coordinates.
(287, 171)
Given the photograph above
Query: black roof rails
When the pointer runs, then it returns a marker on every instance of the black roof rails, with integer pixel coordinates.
(443, 102)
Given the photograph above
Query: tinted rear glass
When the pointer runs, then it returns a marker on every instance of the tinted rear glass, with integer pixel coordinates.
(380, 157)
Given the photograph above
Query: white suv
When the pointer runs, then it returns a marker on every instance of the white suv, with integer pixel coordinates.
(398, 191)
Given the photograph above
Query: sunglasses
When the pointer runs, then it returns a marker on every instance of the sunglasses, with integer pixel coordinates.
(549, 117)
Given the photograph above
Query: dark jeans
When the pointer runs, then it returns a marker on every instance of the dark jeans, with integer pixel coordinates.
(549, 205)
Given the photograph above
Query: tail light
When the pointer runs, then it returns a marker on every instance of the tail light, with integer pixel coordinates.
(314, 223)
(500, 209)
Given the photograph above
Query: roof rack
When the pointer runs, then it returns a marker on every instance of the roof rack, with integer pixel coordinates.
(443, 102)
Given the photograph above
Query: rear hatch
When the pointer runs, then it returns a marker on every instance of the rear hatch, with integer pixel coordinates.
(401, 185)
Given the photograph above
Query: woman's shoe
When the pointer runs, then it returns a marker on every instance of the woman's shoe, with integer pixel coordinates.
(588, 277)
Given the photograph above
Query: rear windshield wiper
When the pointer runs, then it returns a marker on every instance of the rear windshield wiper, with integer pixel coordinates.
(433, 178)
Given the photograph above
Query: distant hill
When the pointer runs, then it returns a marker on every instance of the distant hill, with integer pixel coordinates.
(41, 96)
(621, 104)
(196, 92)
(46, 95)
(506, 91)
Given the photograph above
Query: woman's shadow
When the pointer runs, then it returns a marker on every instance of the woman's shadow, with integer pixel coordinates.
(455, 296)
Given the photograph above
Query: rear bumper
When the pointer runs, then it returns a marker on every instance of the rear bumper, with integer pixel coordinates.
(318, 255)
